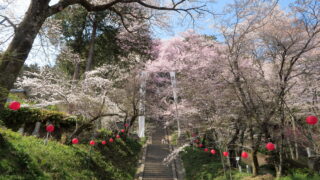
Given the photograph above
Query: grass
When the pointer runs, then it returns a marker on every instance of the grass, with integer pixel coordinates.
(200, 165)
(301, 174)
(24, 157)
(15, 97)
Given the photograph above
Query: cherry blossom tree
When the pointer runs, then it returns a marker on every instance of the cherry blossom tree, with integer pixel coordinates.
(13, 58)
(87, 98)
(292, 42)
(204, 94)
(274, 46)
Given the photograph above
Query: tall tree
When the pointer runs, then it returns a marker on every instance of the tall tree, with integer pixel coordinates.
(18, 50)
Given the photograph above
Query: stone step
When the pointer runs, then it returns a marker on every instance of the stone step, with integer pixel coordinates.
(158, 170)
(152, 173)
(157, 175)
(157, 178)
(154, 169)
(160, 165)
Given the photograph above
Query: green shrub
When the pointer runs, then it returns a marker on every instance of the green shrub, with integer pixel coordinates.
(27, 116)
(25, 157)
(201, 165)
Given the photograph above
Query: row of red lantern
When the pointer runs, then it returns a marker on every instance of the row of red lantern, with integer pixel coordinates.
(92, 142)
(270, 146)
(226, 154)
(50, 129)
(312, 120)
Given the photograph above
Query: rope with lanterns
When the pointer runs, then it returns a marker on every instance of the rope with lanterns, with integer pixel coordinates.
(50, 128)
(270, 146)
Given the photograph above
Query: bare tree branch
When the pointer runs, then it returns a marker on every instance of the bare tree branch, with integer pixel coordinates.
(5, 18)
(122, 19)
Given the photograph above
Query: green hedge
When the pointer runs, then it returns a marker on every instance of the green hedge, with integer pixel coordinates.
(28, 117)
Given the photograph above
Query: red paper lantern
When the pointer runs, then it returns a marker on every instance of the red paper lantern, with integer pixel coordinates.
(212, 151)
(122, 130)
(244, 154)
(118, 136)
(225, 154)
(50, 128)
(206, 149)
(92, 143)
(75, 141)
(111, 140)
(270, 146)
(103, 142)
(312, 120)
(196, 141)
(14, 105)
(126, 125)
(200, 145)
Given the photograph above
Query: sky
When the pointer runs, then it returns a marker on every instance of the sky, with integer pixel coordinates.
(202, 25)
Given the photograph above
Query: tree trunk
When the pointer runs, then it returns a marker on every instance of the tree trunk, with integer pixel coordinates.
(290, 149)
(17, 52)
(78, 131)
(295, 139)
(255, 163)
(241, 141)
(91, 45)
(76, 73)
(280, 165)
(232, 148)
(223, 164)
(281, 143)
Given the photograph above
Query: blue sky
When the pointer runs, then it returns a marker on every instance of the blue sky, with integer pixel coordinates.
(202, 26)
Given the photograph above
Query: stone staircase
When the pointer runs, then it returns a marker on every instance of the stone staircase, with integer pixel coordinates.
(154, 169)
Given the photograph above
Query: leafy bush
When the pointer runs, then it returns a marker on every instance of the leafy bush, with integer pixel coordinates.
(201, 165)
(29, 158)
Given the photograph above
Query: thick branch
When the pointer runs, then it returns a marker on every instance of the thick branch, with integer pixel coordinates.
(91, 7)
(88, 6)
